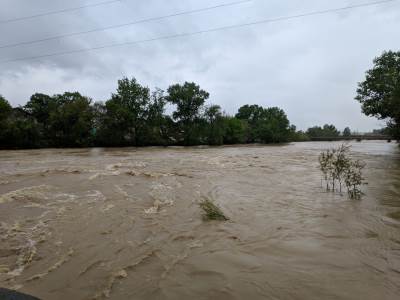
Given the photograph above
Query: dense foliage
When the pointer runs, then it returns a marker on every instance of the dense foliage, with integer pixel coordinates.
(325, 131)
(379, 94)
(267, 125)
(347, 132)
(135, 116)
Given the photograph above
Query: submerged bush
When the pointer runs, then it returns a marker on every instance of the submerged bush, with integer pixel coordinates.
(211, 211)
(341, 164)
(339, 168)
(354, 179)
(326, 166)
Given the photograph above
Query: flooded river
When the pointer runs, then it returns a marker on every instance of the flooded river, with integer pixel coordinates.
(126, 224)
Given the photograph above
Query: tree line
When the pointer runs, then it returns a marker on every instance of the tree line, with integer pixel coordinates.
(135, 116)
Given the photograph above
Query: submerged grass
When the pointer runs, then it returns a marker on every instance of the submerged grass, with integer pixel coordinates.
(211, 211)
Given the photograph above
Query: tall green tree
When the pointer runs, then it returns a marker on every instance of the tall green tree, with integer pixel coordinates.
(331, 130)
(5, 113)
(39, 107)
(157, 127)
(17, 128)
(215, 125)
(326, 131)
(379, 93)
(274, 126)
(127, 112)
(71, 122)
(5, 108)
(24, 130)
(347, 132)
(189, 98)
(252, 114)
(266, 125)
(236, 130)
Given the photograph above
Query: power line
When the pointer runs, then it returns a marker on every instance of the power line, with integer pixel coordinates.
(216, 29)
(56, 12)
(124, 24)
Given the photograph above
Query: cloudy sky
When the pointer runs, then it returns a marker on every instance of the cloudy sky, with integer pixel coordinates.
(307, 66)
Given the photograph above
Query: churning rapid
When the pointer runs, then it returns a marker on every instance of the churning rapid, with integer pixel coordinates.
(126, 224)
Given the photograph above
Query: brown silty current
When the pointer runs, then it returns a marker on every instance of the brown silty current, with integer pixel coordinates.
(126, 224)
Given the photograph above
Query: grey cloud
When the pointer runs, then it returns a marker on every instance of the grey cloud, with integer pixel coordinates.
(310, 67)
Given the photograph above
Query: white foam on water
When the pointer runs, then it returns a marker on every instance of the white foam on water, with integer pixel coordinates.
(162, 195)
(95, 196)
(100, 174)
(54, 267)
(28, 193)
(107, 208)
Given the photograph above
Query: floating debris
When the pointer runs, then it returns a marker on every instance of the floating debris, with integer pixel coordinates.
(212, 212)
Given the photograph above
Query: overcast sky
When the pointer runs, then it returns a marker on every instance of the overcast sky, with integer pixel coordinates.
(308, 66)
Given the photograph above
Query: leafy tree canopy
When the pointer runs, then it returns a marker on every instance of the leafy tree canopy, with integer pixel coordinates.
(267, 125)
(347, 132)
(189, 98)
(70, 123)
(127, 113)
(379, 93)
(326, 131)
(5, 108)
(135, 116)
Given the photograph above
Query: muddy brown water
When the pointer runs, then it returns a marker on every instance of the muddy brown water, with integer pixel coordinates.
(126, 224)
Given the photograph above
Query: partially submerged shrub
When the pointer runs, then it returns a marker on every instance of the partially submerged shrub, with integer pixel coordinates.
(333, 165)
(211, 211)
(354, 179)
(337, 166)
(326, 166)
(341, 164)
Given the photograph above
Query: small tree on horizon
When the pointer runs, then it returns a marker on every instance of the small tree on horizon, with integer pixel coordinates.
(347, 132)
